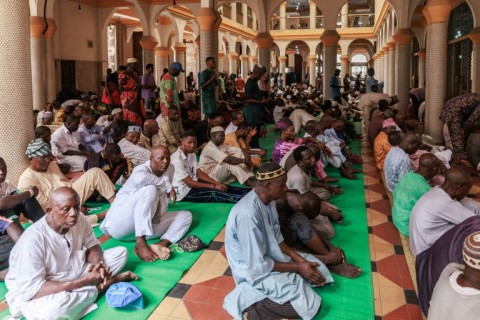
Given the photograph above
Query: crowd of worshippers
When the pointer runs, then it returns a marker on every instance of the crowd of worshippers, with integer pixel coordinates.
(141, 163)
(428, 185)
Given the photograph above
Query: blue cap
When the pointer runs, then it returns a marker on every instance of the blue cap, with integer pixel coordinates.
(124, 295)
(177, 66)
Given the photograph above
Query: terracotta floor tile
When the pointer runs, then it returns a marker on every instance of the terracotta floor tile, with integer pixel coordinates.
(400, 313)
(209, 283)
(208, 312)
(193, 307)
(225, 283)
(388, 265)
(216, 297)
(389, 306)
(414, 312)
(197, 293)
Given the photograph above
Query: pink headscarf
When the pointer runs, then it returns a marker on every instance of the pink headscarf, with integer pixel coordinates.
(388, 123)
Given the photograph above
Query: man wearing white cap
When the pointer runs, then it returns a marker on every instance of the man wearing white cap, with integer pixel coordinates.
(223, 163)
(131, 150)
(168, 88)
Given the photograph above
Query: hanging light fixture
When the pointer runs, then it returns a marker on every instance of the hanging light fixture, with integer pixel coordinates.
(174, 3)
(79, 6)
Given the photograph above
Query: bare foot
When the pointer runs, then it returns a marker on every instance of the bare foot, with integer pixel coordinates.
(328, 180)
(352, 169)
(345, 270)
(161, 251)
(330, 258)
(126, 276)
(337, 190)
(349, 175)
(145, 253)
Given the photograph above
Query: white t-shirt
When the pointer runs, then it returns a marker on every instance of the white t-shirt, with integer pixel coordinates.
(231, 128)
(185, 166)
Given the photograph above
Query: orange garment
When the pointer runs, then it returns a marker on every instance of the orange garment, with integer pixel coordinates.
(381, 147)
(232, 141)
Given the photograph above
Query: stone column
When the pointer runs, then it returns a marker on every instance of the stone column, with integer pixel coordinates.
(16, 124)
(312, 59)
(344, 60)
(421, 68)
(232, 62)
(233, 12)
(244, 14)
(291, 60)
(475, 37)
(384, 71)
(281, 69)
(264, 42)
(50, 61)
(403, 39)
(345, 16)
(253, 61)
(304, 68)
(282, 15)
(313, 15)
(329, 39)
(391, 67)
(378, 70)
(148, 44)
(209, 21)
(244, 66)
(161, 62)
(221, 62)
(180, 48)
(37, 62)
(437, 13)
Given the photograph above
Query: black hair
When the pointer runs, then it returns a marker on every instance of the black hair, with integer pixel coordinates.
(149, 65)
(112, 148)
(243, 126)
(209, 58)
(382, 105)
(41, 131)
(297, 153)
(394, 138)
(189, 133)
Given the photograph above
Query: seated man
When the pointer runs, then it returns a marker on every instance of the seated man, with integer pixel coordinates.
(223, 163)
(240, 138)
(92, 136)
(411, 187)
(131, 150)
(457, 293)
(376, 123)
(47, 120)
(294, 213)
(192, 184)
(139, 211)
(237, 118)
(440, 209)
(57, 267)
(112, 162)
(118, 125)
(171, 130)
(149, 137)
(381, 146)
(203, 129)
(272, 280)
(46, 176)
(66, 145)
(397, 162)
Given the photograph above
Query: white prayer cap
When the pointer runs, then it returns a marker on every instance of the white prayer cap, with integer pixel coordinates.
(47, 115)
(134, 129)
(334, 103)
(217, 129)
(131, 60)
(116, 110)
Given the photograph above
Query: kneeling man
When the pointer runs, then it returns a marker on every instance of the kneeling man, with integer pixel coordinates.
(57, 268)
(139, 211)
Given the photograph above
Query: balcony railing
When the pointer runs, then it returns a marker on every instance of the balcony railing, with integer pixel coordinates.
(303, 22)
(357, 20)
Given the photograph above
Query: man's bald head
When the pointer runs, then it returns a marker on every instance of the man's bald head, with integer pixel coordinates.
(150, 127)
(159, 159)
(457, 183)
(410, 142)
(427, 160)
(61, 194)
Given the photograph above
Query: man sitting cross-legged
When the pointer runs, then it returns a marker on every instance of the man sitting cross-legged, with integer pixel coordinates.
(241, 139)
(57, 268)
(14, 202)
(299, 180)
(131, 149)
(192, 184)
(223, 163)
(294, 213)
(272, 280)
(46, 176)
(171, 130)
(112, 162)
(139, 211)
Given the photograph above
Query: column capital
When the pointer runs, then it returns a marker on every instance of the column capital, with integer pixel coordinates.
(162, 52)
(179, 47)
(37, 26)
(421, 54)
(51, 29)
(474, 35)
(282, 59)
(221, 54)
(284, 4)
(264, 40)
(391, 44)
(385, 48)
(403, 36)
(312, 58)
(437, 11)
(330, 38)
(233, 55)
(148, 43)
(254, 59)
(209, 20)
(244, 57)
(344, 57)
(304, 63)
(291, 51)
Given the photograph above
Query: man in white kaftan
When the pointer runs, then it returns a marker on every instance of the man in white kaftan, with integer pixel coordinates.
(65, 145)
(136, 154)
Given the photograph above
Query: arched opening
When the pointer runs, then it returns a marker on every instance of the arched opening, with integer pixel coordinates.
(296, 14)
(358, 64)
(459, 53)
(357, 14)
(297, 53)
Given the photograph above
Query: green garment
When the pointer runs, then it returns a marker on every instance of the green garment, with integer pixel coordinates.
(409, 189)
(208, 93)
